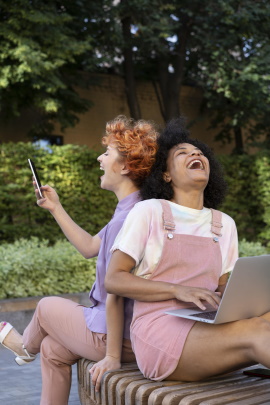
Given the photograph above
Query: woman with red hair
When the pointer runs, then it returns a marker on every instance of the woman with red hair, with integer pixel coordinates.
(61, 330)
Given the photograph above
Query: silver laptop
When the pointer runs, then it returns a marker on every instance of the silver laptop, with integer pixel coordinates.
(246, 295)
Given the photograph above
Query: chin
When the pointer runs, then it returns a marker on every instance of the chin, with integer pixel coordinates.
(200, 178)
(101, 185)
(200, 183)
(106, 187)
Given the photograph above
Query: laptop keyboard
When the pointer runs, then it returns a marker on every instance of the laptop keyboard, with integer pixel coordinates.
(206, 315)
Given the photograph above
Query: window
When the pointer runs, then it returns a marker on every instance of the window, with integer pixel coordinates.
(47, 141)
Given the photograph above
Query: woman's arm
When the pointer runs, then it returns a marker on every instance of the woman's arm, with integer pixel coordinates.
(120, 281)
(85, 243)
(115, 327)
(230, 248)
(222, 283)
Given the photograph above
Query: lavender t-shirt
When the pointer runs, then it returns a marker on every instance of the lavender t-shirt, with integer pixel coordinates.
(95, 316)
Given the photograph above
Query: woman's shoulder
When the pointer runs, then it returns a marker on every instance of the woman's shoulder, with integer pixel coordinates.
(150, 205)
(147, 210)
(227, 220)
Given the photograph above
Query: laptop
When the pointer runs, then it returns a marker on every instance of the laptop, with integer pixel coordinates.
(247, 294)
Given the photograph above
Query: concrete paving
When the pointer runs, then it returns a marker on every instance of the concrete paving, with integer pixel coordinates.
(21, 385)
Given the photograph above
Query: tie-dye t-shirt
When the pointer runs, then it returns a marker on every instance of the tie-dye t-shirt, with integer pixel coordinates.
(142, 234)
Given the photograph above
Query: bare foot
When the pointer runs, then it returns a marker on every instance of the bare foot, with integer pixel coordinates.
(13, 340)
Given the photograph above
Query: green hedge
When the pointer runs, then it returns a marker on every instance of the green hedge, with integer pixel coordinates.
(42, 262)
(71, 169)
(252, 249)
(74, 172)
(263, 195)
(248, 201)
(33, 267)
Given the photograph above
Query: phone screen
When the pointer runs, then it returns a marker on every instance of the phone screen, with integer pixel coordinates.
(258, 372)
(35, 175)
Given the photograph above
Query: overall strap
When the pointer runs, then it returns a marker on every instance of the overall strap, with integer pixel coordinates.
(216, 223)
(168, 222)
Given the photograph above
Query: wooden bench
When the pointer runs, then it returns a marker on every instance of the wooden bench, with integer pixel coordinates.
(127, 386)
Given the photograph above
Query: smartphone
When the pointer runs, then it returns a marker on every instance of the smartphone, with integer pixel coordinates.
(35, 175)
(258, 372)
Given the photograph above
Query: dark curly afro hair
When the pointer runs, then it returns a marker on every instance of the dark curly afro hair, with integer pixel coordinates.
(155, 186)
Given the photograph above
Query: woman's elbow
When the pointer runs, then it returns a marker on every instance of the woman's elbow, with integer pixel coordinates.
(109, 285)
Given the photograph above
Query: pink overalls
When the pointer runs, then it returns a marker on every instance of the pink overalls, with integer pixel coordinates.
(157, 338)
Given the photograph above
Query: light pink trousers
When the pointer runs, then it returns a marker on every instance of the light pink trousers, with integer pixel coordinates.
(59, 332)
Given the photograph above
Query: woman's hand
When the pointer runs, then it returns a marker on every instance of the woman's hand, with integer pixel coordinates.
(106, 364)
(50, 200)
(197, 295)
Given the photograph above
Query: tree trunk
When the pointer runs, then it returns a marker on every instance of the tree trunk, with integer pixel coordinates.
(170, 83)
(130, 85)
(238, 138)
(159, 99)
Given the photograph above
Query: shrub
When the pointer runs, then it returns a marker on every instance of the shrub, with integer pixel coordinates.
(251, 248)
(263, 192)
(71, 169)
(74, 172)
(32, 267)
(243, 201)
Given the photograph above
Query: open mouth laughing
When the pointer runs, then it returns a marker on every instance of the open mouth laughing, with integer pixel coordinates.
(195, 164)
(101, 168)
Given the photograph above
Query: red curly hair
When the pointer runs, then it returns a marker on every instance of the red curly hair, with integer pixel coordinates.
(135, 142)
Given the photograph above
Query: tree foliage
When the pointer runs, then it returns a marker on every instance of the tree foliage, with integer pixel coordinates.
(221, 46)
(235, 70)
(46, 47)
(41, 43)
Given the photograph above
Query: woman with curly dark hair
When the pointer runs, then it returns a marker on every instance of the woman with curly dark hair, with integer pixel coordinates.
(156, 186)
(175, 251)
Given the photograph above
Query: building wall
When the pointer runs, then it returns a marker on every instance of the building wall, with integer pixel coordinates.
(108, 95)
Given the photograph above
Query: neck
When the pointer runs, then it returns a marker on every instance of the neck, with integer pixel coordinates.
(125, 190)
(192, 199)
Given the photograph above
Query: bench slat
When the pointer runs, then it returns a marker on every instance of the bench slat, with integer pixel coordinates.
(235, 392)
(127, 386)
(252, 396)
(157, 396)
(122, 386)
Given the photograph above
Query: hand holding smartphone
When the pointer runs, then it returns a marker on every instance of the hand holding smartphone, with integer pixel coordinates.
(35, 175)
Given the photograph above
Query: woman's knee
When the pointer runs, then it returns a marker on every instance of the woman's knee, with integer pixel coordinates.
(258, 333)
(43, 303)
(46, 306)
(259, 326)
